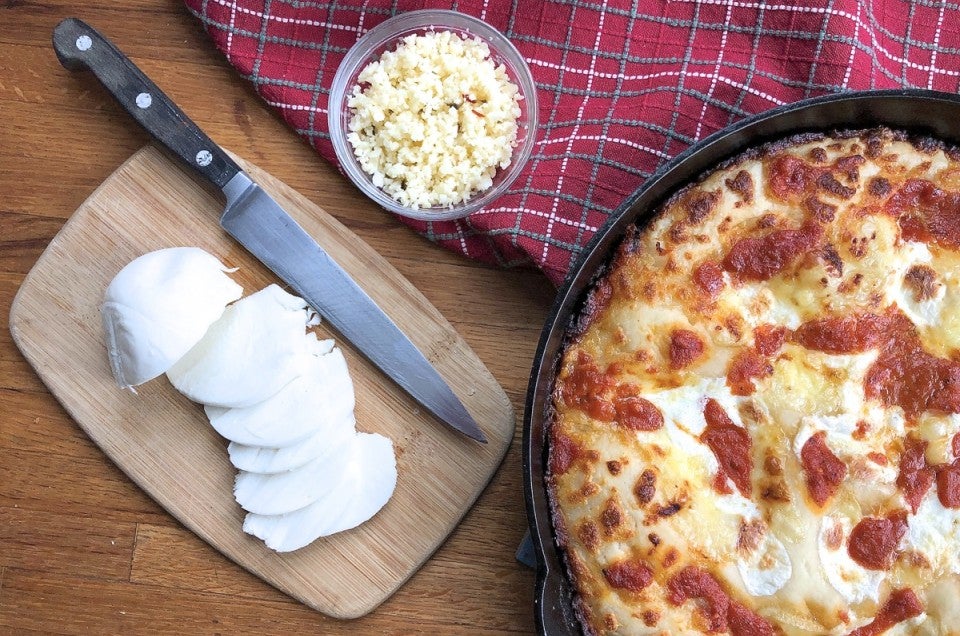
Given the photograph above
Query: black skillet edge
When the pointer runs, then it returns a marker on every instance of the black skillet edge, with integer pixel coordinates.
(913, 110)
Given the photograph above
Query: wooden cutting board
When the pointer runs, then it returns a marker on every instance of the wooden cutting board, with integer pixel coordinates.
(162, 441)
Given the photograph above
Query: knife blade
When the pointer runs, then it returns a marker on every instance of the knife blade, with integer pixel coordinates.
(264, 228)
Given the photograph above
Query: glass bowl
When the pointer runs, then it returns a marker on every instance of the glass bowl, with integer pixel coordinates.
(385, 37)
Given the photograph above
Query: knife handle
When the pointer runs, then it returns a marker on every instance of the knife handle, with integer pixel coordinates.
(78, 46)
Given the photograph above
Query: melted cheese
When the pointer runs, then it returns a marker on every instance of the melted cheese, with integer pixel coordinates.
(854, 582)
(934, 532)
(661, 497)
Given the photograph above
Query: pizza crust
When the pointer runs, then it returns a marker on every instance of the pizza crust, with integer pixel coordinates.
(721, 437)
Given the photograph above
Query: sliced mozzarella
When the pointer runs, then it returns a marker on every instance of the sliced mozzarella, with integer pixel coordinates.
(685, 405)
(254, 349)
(839, 437)
(921, 312)
(159, 306)
(318, 401)
(854, 582)
(766, 568)
(280, 493)
(260, 459)
(366, 485)
(934, 532)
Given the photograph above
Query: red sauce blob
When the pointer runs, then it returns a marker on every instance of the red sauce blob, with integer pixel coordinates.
(746, 366)
(591, 391)
(824, 471)
(901, 605)
(586, 387)
(709, 277)
(743, 621)
(904, 374)
(730, 444)
(762, 257)
(948, 485)
(631, 575)
(916, 476)
(767, 339)
(849, 334)
(948, 478)
(791, 175)
(722, 612)
(685, 347)
(563, 452)
(635, 412)
(874, 540)
(694, 582)
(927, 213)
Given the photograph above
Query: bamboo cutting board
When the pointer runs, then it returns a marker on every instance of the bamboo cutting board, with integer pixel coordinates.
(163, 442)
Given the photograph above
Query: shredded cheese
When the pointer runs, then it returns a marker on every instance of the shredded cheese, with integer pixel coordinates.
(433, 119)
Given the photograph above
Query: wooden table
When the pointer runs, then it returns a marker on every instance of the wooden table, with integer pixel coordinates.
(82, 549)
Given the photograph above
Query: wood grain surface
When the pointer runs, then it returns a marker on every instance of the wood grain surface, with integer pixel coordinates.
(163, 441)
(83, 549)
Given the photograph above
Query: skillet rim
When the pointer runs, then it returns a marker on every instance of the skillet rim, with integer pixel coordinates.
(931, 113)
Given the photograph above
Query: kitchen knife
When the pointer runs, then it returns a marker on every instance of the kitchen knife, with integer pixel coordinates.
(258, 223)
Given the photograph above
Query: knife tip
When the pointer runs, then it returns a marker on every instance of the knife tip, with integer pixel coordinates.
(470, 428)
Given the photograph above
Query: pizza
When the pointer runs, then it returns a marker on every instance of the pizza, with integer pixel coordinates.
(755, 421)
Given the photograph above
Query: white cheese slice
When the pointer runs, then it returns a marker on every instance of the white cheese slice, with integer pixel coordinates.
(766, 568)
(159, 306)
(934, 532)
(261, 459)
(367, 483)
(320, 400)
(854, 582)
(254, 349)
(280, 493)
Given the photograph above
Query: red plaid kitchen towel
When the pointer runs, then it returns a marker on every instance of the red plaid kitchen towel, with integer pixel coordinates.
(623, 86)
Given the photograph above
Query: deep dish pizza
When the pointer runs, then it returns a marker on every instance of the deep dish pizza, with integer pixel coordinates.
(756, 418)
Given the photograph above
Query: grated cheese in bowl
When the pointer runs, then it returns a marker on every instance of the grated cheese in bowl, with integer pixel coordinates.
(434, 119)
(433, 114)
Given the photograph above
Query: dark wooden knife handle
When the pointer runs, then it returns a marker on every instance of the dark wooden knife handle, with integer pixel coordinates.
(79, 46)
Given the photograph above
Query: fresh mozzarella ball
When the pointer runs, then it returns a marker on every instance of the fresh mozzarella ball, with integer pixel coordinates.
(255, 348)
(159, 306)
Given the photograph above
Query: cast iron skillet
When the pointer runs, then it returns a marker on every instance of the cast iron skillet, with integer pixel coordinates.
(922, 112)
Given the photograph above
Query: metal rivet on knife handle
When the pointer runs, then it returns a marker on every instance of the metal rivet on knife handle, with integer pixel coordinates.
(261, 225)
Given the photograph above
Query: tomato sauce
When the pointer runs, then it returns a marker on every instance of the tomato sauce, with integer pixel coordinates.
(694, 582)
(709, 278)
(849, 334)
(586, 388)
(916, 476)
(904, 374)
(722, 612)
(743, 621)
(760, 258)
(874, 540)
(824, 471)
(948, 485)
(927, 213)
(900, 606)
(790, 176)
(563, 452)
(631, 575)
(596, 393)
(685, 347)
(635, 412)
(747, 366)
(730, 444)
(767, 339)
(948, 478)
